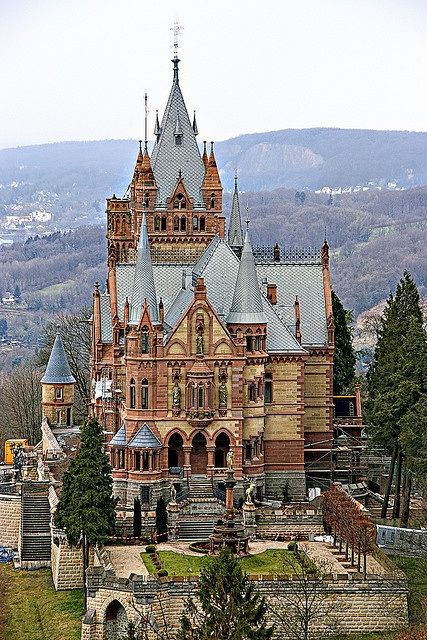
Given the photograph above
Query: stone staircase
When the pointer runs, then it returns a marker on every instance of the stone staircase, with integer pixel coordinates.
(200, 487)
(196, 529)
(35, 539)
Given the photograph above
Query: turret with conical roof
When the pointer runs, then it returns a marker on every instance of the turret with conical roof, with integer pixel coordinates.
(235, 233)
(246, 307)
(143, 283)
(58, 386)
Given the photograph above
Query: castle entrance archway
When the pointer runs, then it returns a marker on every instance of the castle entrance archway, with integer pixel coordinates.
(116, 621)
(199, 454)
(222, 445)
(175, 451)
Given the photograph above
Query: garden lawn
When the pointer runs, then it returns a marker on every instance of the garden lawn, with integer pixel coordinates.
(31, 609)
(177, 564)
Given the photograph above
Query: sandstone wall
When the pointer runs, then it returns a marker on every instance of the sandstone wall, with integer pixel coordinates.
(67, 565)
(10, 516)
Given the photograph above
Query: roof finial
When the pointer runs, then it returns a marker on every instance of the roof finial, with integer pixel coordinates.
(140, 145)
(212, 146)
(176, 29)
(247, 217)
(145, 123)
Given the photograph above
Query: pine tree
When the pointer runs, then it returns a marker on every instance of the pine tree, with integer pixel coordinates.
(344, 357)
(397, 382)
(228, 607)
(86, 510)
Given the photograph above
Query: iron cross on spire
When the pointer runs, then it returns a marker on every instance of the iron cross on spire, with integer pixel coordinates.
(176, 30)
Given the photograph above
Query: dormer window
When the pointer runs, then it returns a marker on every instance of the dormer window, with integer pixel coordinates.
(180, 202)
(178, 139)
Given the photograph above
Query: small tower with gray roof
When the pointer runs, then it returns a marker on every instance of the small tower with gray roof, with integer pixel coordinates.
(235, 233)
(58, 387)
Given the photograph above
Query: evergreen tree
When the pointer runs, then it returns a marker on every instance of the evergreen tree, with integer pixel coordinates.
(397, 383)
(228, 607)
(344, 357)
(86, 510)
(137, 522)
(17, 294)
(161, 518)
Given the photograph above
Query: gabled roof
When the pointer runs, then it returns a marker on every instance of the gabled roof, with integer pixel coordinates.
(168, 158)
(58, 370)
(143, 283)
(235, 233)
(246, 307)
(145, 439)
(119, 439)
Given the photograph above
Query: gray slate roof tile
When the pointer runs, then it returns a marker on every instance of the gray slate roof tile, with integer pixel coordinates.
(145, 439)
(58, 370)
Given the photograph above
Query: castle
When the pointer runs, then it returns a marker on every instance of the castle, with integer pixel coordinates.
(203, 343)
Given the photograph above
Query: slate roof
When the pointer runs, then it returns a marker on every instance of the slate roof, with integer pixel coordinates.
(143, 282)
(247, 307)
(58, 370)
(145, 439)
(168, 158)
(119, 439)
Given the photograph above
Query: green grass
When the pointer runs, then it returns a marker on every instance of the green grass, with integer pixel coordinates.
(33, 610)
(177, 564)
(416, 570)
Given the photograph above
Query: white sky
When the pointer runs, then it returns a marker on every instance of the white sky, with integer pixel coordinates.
(78, 69)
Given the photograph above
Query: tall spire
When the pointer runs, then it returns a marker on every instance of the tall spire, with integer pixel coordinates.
(143, 283)
(246, 307)
(58, 370)
(235, 233)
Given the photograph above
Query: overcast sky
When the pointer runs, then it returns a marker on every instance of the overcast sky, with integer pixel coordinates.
(78, 69)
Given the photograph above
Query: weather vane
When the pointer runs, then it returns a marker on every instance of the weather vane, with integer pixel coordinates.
(176, 30)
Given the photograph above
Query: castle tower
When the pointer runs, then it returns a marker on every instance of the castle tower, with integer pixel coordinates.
(58, 387)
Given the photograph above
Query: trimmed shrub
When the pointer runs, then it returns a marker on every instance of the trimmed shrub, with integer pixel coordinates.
(292, 546)
(162, 573)
(150, 548)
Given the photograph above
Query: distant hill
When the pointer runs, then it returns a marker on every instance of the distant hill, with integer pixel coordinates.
(72, 179)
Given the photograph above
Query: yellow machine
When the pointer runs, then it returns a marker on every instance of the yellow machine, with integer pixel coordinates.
(9, 445)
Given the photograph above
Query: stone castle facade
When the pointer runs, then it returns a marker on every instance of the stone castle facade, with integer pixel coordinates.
(202, 343)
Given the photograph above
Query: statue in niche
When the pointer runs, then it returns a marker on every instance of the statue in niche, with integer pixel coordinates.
(199, 343)
(230, 459)
(223, 393)
(172, 493)
(176, 395)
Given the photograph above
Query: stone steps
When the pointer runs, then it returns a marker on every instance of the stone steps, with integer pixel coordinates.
(195, 529)
(35, 538)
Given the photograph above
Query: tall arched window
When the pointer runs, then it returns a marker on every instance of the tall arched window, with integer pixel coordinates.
(144, 394)
(156, 223)
(252, 392)
(200, 396)
(195, 222)
(132, 394)
(183, 223)
(164, 223)
(212, 201)
(202, 224)
(144, 340)
(192, 395)
(176, 223)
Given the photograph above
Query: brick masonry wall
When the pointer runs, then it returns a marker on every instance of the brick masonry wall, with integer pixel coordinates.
(10, 515)
(357, 606)
(67, 565)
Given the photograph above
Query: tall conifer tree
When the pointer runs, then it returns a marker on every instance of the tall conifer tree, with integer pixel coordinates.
(344, 357)
(86, 510)
(228, 608)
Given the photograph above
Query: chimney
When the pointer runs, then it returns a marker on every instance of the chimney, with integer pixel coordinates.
(200, 289)
(272, 293)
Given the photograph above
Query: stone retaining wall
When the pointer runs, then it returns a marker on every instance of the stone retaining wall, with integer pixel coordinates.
(377, 604)
(67, 564)
(10, 516)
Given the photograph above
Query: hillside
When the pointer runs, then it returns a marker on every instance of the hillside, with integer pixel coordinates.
(72, 179)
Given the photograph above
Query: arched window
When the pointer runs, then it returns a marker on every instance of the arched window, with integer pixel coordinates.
(195, 222)
(132, 394)
(192, 395)
(200, 396)
(256, 343)
(202, 224)
(157, 223)
(268, 388)
(212, 201)
(180, 202)
(144, 340)
(144, 394)
(176, 223)
(249, 341)
(146, 200)
(164, 223)
(251, 392)
(183, 223)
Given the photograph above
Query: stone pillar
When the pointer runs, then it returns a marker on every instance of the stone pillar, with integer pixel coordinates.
(187, 463)
(173, 517)
(249, 519)
(211, 461)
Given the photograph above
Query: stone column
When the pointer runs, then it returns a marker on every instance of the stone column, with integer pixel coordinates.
(173, 517)
(187, 462)
(249, 519)
(211, 460)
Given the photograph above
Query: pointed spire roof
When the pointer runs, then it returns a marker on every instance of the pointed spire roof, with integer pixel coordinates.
(205, 155)
(168, 156)
(58, 370)
(157, 129)
(246, 307)
(143, 282)
(195, 128)
(235, 233)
